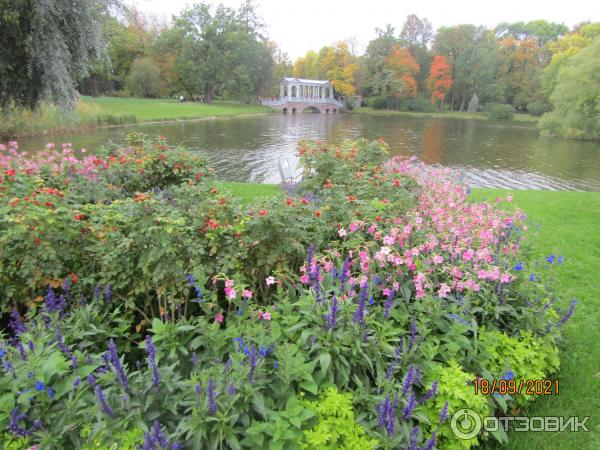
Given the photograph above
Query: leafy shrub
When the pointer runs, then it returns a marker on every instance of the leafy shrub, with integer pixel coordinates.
(336, 427)
(379, 102)
(537, 108)
(498, 111)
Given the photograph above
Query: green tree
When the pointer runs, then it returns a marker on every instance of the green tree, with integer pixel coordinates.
(378, 78)
(47, 47)
(576, 97)
(144, 79)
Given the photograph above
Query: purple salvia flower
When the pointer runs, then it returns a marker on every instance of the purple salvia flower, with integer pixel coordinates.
(388, 304)
(430, 393)
(392, 417)
(176, 446)
(414, 439)
(91, 380)
(230, 389)
(73, 362)
(359, 314)
(61, 343)
(198, 390)
(13, 424)
(444, 413)
(389, 373)
(76, 382)
(382, 412)
(108, 293)
(253, 358)
(309, 257)
(151, 350)
(31, 346)
(97, 292)
(568, 314)
(333, 312)
(195, 359)
(116, 362)
(211, 397)
(66, 286)
(53, 303)
(409, 407)
(15, 323)
(407, 382)
(104, 406)
(430, 444)
(344, 273)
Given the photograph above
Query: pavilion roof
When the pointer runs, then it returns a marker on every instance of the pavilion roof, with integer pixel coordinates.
(306, 81)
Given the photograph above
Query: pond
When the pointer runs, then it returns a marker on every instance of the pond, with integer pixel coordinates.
(489, 154)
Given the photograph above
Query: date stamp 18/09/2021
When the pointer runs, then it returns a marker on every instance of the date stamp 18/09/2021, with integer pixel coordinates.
(544, 386)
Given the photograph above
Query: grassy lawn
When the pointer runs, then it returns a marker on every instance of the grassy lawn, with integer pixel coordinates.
(250, 191)
(570, 226)
(445, 115)
(169, 109)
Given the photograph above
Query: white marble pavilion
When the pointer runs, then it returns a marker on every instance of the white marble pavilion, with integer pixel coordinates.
(303, 90)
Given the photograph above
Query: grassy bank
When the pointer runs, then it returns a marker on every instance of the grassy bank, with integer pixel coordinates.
(569, 227)
(444, 115)
(169, 109)
(91, 113)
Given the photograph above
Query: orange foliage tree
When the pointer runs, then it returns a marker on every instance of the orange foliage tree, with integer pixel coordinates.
(440, 80)
(404, 69)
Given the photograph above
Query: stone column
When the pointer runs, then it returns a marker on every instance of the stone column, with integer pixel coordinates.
(281, 91)
(331, 92)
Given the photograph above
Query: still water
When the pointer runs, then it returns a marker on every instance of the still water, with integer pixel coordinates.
(489, 154)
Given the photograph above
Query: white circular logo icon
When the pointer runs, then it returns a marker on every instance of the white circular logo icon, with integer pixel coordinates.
(465, 423)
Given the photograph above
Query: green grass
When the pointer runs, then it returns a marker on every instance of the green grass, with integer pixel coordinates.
(444, 115)
(169, 109)
(570, 226)
(247, 192)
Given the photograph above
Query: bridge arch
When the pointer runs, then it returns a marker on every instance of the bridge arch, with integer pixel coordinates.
(311, 108)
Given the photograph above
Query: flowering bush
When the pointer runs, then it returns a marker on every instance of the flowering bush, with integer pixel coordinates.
(196, 322)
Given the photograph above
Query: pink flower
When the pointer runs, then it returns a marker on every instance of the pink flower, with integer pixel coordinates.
(328, 265)
(342, 232)
(230, 292)
(270, 280)
(247, 293)
(353, 227)
(443, 291)
(266, 316)
(437, 259)
(219, 318)
(372, 229)
(304, 279)
(228, 283)
(50, 145)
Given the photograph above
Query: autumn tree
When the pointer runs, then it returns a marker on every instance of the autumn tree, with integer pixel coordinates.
(307, 66)
(404, 68)
(340, 67)
(416, 35)
(440, 80)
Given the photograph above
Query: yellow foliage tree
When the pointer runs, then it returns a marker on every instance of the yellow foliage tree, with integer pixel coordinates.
(404, 69)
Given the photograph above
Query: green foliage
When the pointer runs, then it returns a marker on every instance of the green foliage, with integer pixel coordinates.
(537, 108)
(336, 427)
(144, 79)
(455, 387)
(575, 99)
(499, 111)
(526, 356)
(45, 48)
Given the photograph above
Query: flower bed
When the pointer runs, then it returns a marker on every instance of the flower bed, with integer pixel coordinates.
(355, 311)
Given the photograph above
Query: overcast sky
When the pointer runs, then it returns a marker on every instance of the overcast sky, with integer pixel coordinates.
(301, 25)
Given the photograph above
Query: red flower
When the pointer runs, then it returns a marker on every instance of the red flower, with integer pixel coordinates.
(378, 219)
(49, 204)
(305, 201)
(79, 216)
(199, 175)
(318, 213)
(10, 173)
(213, 190)
(262, 212)
(396, 183)
(74, 278)
(290, 202)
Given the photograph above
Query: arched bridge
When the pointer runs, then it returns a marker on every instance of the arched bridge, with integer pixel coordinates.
(298, 95)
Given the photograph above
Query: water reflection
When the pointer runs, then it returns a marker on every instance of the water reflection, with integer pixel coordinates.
(492, 154)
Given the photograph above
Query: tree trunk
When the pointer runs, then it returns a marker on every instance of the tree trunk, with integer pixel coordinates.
(94, 85)
(462, 103)
(208, 95)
